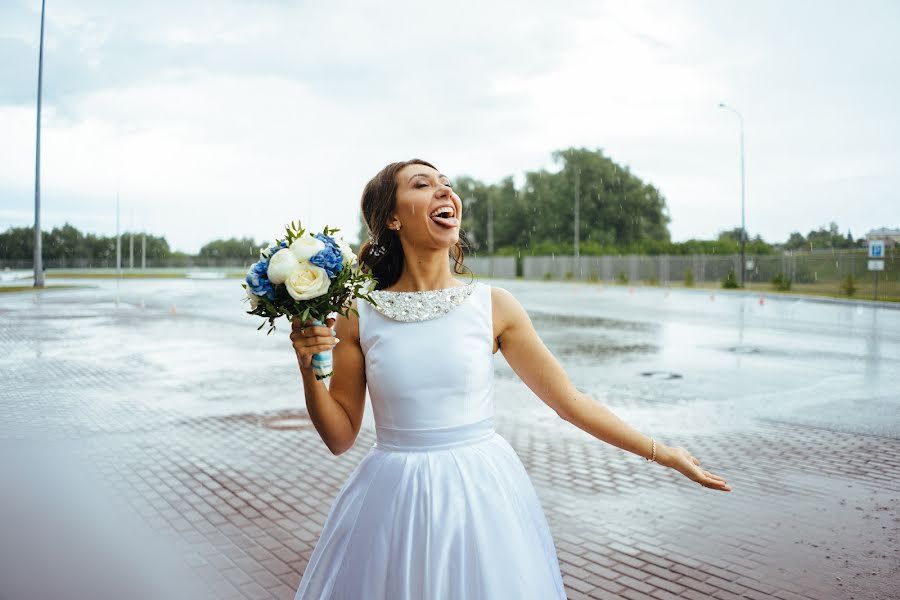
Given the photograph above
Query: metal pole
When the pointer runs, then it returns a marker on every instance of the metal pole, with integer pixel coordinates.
(743, 226)
(577, 202)
(38, 247)
(118, 241)
(131, 242)
(490, 220)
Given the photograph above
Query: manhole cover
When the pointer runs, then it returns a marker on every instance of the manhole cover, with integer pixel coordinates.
(292, 421)
(744, 350)
(661, 375)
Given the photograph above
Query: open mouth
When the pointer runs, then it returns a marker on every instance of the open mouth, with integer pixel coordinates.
(445, 216)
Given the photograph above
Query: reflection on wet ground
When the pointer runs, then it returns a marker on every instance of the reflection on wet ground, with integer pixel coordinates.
(166, 389)
(569, 320)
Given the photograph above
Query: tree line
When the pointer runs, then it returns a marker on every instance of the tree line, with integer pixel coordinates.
(618, 214)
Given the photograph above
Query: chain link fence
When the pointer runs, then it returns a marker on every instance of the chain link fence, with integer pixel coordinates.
(802, 271)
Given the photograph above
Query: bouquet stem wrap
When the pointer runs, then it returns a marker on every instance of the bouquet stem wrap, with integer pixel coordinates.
(321, 361)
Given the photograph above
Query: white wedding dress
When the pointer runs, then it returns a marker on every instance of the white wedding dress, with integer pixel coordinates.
(441, 507)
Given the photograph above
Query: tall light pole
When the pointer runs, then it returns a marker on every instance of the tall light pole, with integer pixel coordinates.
(38, 250)
(577, 209)
(118, 241)
(743, 230)
(490, 224)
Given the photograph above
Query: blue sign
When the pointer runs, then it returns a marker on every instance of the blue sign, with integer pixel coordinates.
(876, 248)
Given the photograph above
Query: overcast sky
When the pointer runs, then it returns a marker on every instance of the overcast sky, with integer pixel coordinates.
(221, 118)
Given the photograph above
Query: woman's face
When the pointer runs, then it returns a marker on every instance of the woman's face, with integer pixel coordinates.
(421, 190)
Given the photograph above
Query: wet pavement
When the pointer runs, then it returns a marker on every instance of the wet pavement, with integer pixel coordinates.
(153, 444)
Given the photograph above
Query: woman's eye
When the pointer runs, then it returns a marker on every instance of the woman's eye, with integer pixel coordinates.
(418, 185)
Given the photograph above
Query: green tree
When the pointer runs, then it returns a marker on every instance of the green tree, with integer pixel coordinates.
(67, 242)
(17, 243)
(232, 248)
(796, 241)
(616, 208)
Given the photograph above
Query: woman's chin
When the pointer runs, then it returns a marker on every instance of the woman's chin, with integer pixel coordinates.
(448, 236)
(446, 242)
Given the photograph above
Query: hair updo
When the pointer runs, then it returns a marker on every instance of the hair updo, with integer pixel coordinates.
(382, 254)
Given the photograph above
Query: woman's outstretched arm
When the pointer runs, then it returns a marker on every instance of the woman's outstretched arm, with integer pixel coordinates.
(535, 365)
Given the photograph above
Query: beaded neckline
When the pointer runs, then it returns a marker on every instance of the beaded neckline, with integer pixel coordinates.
(425, 291)
(420, 305)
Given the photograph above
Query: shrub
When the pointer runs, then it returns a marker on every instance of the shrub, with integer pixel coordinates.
(730, 280)
(548, 275)
(594, 276)
(653, 280)
(848, 285)
(569, 275)
(688, 278)
(621, 277)
(781, 282)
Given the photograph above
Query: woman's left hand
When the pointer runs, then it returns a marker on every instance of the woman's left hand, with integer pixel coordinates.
(685, 463)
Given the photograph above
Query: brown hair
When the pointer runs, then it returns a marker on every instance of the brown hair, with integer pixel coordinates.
(382, 254)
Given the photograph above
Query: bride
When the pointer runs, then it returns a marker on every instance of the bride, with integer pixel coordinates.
(440, 506)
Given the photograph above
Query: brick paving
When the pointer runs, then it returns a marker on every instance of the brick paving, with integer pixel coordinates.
(147, 399)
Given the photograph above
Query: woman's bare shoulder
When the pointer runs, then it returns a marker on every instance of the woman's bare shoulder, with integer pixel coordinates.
(505, 307)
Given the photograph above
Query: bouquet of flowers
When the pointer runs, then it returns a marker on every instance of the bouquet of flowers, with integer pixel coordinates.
(306, 275)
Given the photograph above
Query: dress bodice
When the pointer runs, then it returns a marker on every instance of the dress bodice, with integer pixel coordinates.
(431, 366)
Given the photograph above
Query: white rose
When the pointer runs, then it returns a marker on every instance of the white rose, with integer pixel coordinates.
(308, 281)
(254, 299)
(281, 265)
(346, 251)
(306, 246)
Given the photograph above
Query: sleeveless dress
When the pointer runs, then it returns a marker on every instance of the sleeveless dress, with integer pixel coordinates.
(441, 507)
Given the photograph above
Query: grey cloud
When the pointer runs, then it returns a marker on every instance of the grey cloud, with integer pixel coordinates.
(352, 56)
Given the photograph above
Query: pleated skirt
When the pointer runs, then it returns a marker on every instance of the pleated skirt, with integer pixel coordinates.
(447, 514)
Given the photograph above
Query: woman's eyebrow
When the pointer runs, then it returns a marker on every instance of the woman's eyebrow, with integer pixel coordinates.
(426, 175)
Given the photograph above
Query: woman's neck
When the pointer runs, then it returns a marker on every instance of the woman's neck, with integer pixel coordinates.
(421, 275)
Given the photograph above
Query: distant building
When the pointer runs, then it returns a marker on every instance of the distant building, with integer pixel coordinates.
(891, 237)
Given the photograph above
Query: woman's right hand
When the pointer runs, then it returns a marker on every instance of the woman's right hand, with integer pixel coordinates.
(688, 465)
(309, 339)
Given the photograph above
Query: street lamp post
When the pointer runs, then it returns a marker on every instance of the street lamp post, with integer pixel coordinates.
(490, 224)
(577, 226)
(489, 234)
(743, 230)
(38, 260)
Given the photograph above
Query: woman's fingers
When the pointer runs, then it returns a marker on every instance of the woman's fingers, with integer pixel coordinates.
(308, 339)
(715, 482)
(689, 465)
(711, 476)
(308, 329)
(314, 345)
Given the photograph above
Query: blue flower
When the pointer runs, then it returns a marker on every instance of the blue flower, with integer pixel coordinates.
(330, 258)
(274, 249)
(258, 280)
